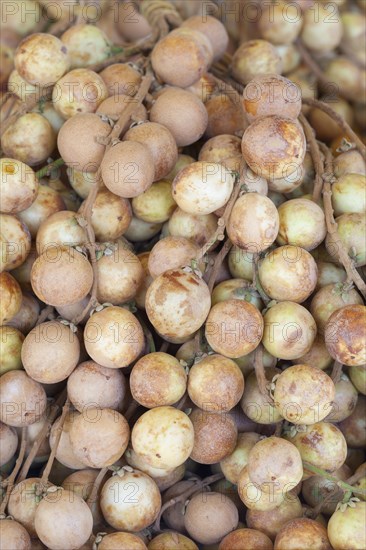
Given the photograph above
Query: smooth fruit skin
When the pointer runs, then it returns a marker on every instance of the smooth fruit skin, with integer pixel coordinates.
(18, 185)
(99, 437)
(164, 437)
(14, 535)
(215, 383)
(280, 475)
(130, 501)
(41, 59)
(288, 273)
(22, 400)
(270, 522)
(345, 335)
(61, 276)
(347, 529)
(8, 443)
(289, 330)
(233, 464)
(113, 337)
(253, 223)
(70, 514)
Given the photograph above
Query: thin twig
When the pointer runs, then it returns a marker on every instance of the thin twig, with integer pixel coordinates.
(87, 208)
(342, 484)
(260, 373)
(316, 157)
(332, 227)
(198, 485)
(318, 72)
(46, 170)
(14, 473)
(54, 410)
(336, 372)
(44, 314)
(51, 458)
(257, 282)
(343, 125)
(97, 483)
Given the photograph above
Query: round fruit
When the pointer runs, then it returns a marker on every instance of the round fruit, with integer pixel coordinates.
(253, 58)
(234, 328)
(331, 298)
(23, 400)
(14, 535)
(246, 538)
(346, 528)
(158, 379)
(41, 59)
(268, 95)
(72, 516)
(177, 304)
(345, 335)
(19, 186)
(113, 337)
(9, 443)
(255, 405)
(182, 113)
(209, 517)
(99, 437)
(91, 384)
(130, 501)
(233, 464)
(274, 146)
(64, 454)
(61, 276)
(289, 330)
(163, 437)
(215, 436)
(255, 498)
(303, 533)
(171, 253)
(121, 541)
(278, 475)
(215, 383)
(270, 522)
(182, 57)
(202, 187)
(128, 169)
(304, 394)
(288, 273)
(253, 223)
(302, 223)
(315, 442)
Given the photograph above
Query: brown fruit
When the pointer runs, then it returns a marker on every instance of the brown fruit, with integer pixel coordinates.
(274, 146)
(234, 328)
(61, 276)
(215, 436)
(345, 335)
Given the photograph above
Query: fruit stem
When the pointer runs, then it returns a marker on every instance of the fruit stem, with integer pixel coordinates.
(317, 71)
(44, 314)
(46, 170)
(336, 372)
(332, 227)
(54, 409)
(260, 373)
(256, 281)
(87, 208)
(14, 473)
(94, 492)
(197, 486)
(342, 484)
(344, 126)
(316, 157)
(47, 470)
